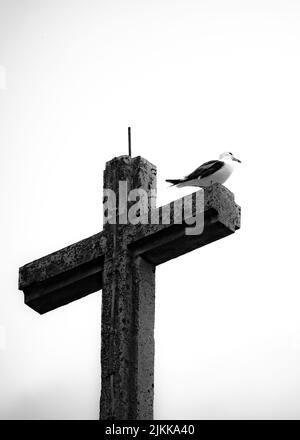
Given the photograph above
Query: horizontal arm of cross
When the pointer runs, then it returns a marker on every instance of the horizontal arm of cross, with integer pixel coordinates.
(76, 271)
(63, 276)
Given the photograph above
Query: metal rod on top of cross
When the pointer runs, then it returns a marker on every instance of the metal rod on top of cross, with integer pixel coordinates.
(129, 141)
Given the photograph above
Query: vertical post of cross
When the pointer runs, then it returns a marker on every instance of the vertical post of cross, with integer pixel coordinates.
(128, 300)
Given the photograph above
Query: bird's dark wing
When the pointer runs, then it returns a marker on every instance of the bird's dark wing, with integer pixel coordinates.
(205, 169)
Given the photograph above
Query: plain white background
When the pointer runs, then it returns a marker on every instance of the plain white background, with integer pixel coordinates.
(193, 79)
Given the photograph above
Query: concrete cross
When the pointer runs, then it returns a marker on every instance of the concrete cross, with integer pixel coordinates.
(121, 261)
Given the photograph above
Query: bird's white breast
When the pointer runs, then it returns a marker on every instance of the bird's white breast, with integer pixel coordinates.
(222, 175)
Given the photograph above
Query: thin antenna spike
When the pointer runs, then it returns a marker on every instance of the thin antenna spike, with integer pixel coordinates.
(129, 141)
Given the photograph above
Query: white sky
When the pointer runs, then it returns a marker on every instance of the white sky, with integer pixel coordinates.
(193, 79)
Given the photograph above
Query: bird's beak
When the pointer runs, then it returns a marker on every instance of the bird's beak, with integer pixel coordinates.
(237, 160)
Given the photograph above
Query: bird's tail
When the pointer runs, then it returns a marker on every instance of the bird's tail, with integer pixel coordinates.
(174, 181)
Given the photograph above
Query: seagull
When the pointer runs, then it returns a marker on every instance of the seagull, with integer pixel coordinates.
(214, 171)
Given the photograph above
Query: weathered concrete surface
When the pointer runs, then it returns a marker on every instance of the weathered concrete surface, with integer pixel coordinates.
(163, 242)
(127, 350)
(65, 275)
(59, 262)
(144, 305)
(128, 299)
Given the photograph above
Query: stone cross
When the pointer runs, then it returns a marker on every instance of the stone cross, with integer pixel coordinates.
(121, 261)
